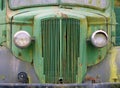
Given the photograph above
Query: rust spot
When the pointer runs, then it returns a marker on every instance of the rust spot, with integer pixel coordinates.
(117, 3)
(65, 36)
(19, 54)
(93, 79)
(81, 65)
(10, 13)
(115, 79)
(64, 15)
(99, 57)
(61, 15)
(89, 78)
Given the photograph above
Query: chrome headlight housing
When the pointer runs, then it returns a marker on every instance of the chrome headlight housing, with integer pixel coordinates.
(99, 38)
(22, 39)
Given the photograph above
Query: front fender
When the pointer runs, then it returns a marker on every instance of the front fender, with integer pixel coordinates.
(10, 66)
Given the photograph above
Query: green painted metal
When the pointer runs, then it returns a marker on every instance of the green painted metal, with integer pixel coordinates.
(51, 67)
(62, 50)
(97, 54)
(2, 23)
(23, 54)
(51, 49)
(61, 74)
(117, 12)
(55, 68)
(60, 65)
(38, 60)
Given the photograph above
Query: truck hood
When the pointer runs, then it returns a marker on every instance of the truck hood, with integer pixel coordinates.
(28, 16)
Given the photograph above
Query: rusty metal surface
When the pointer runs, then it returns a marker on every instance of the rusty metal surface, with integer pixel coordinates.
(35, 15)
(101, 85)
(106, 71)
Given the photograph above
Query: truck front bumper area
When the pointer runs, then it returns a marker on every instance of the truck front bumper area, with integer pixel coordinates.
(96, 85)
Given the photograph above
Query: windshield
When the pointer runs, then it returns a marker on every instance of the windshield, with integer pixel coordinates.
(102, 4)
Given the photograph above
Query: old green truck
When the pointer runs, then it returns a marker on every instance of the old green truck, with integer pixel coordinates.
(58, 42)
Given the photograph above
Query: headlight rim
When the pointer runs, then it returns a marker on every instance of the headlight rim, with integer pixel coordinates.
(93, 37)
(17, 33)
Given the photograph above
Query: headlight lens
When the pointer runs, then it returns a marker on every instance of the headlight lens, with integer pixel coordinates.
(22, 39)
(99, 38)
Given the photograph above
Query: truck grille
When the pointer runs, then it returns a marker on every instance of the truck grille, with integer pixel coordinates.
(60, 47)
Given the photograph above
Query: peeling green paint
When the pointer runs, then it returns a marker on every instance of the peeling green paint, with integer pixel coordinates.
(62, 49)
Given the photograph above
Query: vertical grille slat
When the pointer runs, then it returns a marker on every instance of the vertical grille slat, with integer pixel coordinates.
(70, 43)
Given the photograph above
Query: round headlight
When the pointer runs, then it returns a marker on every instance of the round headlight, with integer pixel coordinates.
(22, 39)
(99, 38)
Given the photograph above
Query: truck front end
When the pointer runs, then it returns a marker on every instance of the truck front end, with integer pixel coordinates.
(55, 41)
